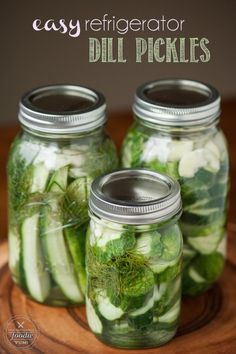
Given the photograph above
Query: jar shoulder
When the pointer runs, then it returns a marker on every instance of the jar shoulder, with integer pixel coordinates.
(57, 153)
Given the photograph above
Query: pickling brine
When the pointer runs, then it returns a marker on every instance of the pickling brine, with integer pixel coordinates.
(50, 171)
(134, 267)
(181, 138)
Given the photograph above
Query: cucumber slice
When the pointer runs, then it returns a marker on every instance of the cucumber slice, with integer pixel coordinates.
(172, 315)
(143, 309)
(112, 243)
(161, 250)
(156, 149)
(137, 287)
(75, 202)
(209, 266)
(192, 161)
(93, 319)
(188, 254)
(205, 269)
(121, 327)
(59, 259)
(149, 244)
(143, 316)
(40, 175)
(171, 272)
(201, 216)
(14, 253)
(219, 189)
(76, 172)
(166, 296)
(36, 277)
(177, 148)
(159, 291)
(206, 244)
(213, 148)
(221, 249)
(194, 275)
(191, 230)
(107, 309)
(58, 181)
(75, 239)
(172, 243)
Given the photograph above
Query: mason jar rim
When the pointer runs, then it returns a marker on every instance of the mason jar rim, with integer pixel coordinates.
(63, 122)
(159, 112)
(135, 196)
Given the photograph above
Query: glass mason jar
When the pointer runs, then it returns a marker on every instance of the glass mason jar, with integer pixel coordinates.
(133, 259)
(176, 132)
(51, 165)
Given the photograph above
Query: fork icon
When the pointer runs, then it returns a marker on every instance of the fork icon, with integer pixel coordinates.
(20, 324)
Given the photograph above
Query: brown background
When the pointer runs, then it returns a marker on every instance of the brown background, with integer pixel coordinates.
(30, 58)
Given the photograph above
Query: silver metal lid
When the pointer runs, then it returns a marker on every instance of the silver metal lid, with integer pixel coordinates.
(177, 102)
(135, 196)
(62, 109)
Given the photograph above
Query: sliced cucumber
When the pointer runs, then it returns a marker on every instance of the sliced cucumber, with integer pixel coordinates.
(58, 181)
(60, 262)
(213, 148)
(75, 202)
(143, 316)
(156, 149)
(143, 309)
(192, 230)
(107, 309)
(209, 266)
(137, 287)
(192, 161)
(36, 277)
(75, 239)
(206, 244)
(93, 319)
(161, 250)
(194, 275)
(14, 253)
(159, 291)
(177, 148)
(113, 243)
(172, 244)
(201, 216)
(149, 244)
(222, 246)
(172, 315)
(76, 172)
(39, 178)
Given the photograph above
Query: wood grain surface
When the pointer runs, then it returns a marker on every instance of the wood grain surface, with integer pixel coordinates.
(208, 322)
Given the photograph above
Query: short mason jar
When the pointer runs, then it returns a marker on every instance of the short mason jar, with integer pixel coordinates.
(133, 259)
(52, 163)
(176, 131)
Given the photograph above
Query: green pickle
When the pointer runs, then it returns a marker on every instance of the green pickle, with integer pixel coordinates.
(197, 157)
(49, 183)
(134, 280)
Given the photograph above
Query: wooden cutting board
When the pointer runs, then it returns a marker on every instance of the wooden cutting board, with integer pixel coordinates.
(208, 321)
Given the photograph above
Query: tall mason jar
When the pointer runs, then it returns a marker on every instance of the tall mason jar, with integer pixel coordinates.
(52, 162)
(176, 131)
(134, 258)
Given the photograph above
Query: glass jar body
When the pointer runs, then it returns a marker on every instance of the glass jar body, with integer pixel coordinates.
(49, 178)
(198, 159)
(134, 282)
